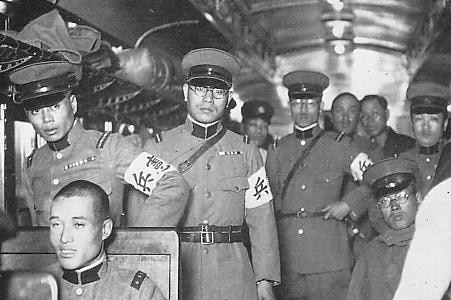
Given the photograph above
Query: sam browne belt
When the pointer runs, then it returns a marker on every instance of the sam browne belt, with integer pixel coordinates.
(211, 234)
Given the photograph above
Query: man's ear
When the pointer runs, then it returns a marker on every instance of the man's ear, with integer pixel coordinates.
(107, 228)
(73, 103)
(419, 198)
(387, 114)
(185, 92)
(321, 106)
(445, 124)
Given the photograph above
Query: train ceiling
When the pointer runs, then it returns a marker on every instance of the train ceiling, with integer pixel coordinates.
(364, 46)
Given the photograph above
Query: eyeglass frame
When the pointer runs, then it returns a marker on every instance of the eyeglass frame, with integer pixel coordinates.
(400, 199)
(207, 89)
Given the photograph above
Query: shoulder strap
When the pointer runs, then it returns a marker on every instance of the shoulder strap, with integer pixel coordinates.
(188, 163)
(300, 159)
(102, 139)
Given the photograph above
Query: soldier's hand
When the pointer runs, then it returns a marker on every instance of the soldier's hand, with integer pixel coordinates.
(337, 210)
(265, 291)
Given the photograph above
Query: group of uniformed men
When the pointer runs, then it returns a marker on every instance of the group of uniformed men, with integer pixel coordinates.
(207, 181)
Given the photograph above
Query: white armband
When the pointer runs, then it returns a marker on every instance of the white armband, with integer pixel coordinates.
(359, 165)
(259, 191)
(145, 171)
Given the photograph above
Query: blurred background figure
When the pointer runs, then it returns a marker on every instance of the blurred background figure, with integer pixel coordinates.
(345, 113)
(256, 120)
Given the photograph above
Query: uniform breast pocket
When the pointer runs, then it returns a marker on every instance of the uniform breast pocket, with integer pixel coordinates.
(235, 186)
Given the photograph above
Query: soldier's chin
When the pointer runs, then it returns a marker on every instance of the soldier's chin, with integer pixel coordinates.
(69, 263)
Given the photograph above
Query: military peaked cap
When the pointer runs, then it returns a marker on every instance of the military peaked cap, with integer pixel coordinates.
(391, 175)
(257, 109)
(305, 84)
(210, 67)
(428, 97)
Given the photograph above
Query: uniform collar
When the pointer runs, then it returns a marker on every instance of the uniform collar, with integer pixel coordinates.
(86, 274)
(430, 150)
(202, 131)
(63, 143)
(400, 237)
(306, 132)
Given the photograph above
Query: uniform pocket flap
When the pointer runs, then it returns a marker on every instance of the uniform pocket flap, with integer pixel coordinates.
(235, 184)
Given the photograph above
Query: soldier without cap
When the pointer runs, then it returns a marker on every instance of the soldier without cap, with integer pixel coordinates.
(45, 91)
(228, 185)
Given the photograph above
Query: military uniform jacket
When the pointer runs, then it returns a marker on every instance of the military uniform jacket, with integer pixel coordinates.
(378, 271)
(427, 164)
(313, 245)
(102, 159)
(114, 283)
(218, 181)
(396, 143)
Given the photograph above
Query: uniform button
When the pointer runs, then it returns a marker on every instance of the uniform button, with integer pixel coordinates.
(303, 142)
(303, 187)
(429, 177)
(208, 166)
(207, 195)
(428, 159)
(300, 231)
(59, 155)
(205, 251)
(79, 291)
(55, 181)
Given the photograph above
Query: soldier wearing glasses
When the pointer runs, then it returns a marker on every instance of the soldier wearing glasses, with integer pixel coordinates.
(395, 186)
(306, 172)
(228, 185)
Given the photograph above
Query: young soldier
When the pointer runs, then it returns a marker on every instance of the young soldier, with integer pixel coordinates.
(228, 185)
(80, 223)
(394, 183)
(45, 91)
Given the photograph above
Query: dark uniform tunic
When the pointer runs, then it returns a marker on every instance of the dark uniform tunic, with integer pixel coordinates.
(219, 181)
(377, 273)
(106, 281)
(396, 143)
(313, 245)
(102, 159)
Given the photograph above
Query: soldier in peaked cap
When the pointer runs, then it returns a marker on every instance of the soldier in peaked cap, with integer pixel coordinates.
(45, 91)
(228, 186)
(315, 254)
(256, 119)
(428, 113)
(395, 183)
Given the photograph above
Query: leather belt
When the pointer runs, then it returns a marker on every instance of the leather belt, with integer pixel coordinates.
(210, 234)
(301, 214)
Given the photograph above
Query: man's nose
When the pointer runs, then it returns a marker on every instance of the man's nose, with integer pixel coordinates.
(66, 235)
(208, 96)
(46, 115)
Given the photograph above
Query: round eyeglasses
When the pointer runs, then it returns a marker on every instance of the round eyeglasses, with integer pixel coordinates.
(400, 198)
(202, 91)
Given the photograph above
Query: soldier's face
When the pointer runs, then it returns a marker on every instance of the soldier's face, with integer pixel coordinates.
(305, 112)
(206, 108)
(345, 114)
(257, 130)
(373, 118)
(428, 128)
(75, 234)
(399, 209)
(54, 122)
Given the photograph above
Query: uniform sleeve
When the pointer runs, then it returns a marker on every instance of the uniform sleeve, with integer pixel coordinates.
(263, 233)
(166, 204)
(271, 171)
(427, 269)
(358, 285)
(29, 198)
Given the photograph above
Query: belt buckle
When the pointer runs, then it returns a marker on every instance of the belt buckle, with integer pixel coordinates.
(207, 237)
(301, 213)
